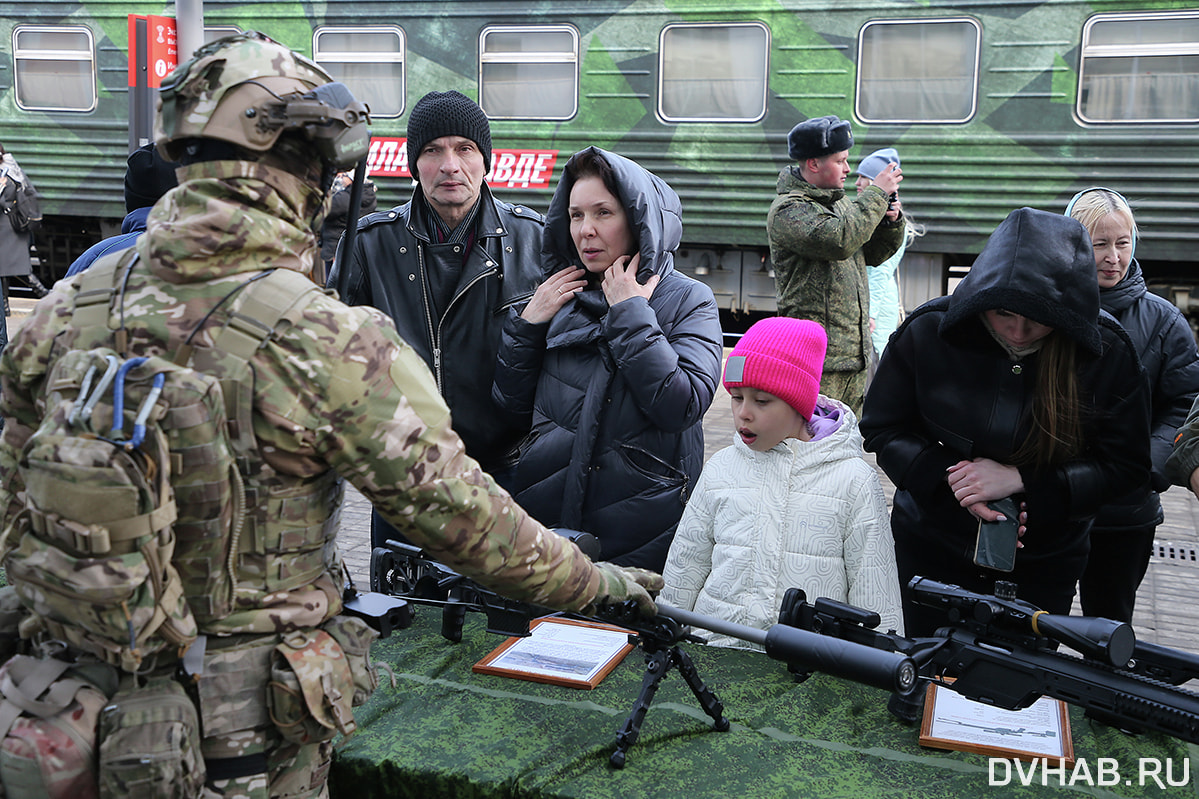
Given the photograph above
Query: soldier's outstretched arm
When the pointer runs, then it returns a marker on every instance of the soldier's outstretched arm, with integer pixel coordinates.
(375, 416)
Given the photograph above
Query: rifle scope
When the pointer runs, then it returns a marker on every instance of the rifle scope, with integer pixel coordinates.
(1106, 640)
(890, 671)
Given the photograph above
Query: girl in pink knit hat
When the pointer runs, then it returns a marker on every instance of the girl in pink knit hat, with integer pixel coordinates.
(791, 504)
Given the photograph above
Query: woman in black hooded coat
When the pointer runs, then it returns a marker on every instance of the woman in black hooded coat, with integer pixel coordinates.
(615, 375)
(1015, 385)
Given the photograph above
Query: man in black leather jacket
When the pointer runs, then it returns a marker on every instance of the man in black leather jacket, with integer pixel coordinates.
(446, 266)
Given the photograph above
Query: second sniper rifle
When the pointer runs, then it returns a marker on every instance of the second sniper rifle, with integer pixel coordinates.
(1004, 652)
(403, 570)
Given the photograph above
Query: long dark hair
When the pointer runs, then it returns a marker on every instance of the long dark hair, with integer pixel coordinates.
(1056, 434)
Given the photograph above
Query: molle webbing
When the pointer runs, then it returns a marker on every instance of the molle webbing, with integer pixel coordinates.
(269, 538)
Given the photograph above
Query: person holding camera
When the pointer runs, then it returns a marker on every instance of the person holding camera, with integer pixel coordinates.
(821, 242)
(886, 309)
(1013, 387)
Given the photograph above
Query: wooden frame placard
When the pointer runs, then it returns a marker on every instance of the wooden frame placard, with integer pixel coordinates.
(1039, 732)
(560, 651)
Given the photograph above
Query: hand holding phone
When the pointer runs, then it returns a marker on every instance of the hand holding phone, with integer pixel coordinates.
(995, 547)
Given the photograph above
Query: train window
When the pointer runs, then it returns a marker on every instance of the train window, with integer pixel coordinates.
(529, 72)
(55, 68)
(368, 59)
(1140, 68)
(713, 72)
(918, 71)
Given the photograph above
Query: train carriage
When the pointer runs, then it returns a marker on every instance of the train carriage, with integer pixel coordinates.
(993, 106)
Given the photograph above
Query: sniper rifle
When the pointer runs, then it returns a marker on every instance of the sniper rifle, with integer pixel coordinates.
(1006, 652)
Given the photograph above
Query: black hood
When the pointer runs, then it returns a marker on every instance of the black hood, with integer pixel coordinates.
(1039, 265)
(653, 208)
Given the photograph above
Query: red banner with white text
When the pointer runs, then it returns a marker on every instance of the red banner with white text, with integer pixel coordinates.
(510, 169)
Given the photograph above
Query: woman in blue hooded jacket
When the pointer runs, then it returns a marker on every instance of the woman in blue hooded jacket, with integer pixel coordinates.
(614, 360)
(1122, 537)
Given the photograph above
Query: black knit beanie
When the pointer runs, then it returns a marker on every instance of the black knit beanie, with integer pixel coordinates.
(148, 176)
(450, 113)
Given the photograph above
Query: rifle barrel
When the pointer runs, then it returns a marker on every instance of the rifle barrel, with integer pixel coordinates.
(890, 671)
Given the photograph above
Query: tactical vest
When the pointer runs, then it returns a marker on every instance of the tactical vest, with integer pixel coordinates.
(246, 544)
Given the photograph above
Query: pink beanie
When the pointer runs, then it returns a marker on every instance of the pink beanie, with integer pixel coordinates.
(783, 356)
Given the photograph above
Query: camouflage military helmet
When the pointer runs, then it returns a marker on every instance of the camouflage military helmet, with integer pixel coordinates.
(247, 89)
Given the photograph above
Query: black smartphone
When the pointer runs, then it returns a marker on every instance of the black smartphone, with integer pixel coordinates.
(995, 547)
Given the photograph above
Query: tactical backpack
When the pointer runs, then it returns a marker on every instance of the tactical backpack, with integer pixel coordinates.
(134, 499)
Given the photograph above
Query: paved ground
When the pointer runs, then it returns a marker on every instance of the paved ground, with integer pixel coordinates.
(1165, 611)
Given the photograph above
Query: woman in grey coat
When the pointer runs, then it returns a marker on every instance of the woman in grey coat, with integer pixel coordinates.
(614, 360)
(14, 247)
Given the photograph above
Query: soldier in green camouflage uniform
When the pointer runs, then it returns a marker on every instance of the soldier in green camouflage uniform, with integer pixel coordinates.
(335, 394)
(821, 242)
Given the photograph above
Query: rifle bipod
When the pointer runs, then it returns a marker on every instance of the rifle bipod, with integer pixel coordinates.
(662, 651)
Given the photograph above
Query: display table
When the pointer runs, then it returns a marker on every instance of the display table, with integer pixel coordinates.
(444, 731)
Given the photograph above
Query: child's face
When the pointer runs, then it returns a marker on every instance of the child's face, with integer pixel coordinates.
(763, 420)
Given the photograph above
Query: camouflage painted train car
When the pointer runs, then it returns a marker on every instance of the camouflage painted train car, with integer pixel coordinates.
(993, 105)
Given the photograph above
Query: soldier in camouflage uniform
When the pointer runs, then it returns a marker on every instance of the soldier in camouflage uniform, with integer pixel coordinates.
(335, 394)
(821, 242)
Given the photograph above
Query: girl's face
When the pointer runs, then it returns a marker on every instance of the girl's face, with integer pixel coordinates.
(599, 226)
(763, 420)
(1018, 331)
(1112, 239)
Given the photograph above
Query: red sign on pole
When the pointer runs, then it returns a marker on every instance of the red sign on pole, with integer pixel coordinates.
(162, 54)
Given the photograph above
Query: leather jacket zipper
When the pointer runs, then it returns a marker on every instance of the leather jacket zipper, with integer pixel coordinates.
(434, 326)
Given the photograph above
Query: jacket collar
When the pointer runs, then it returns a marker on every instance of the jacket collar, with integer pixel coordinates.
(1130, 289)
(488, 224)
(790, 180)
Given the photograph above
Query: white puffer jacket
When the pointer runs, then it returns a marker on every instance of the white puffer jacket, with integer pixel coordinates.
(805, 514)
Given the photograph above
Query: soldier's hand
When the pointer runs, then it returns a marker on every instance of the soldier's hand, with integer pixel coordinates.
(888, 180)
(618, 584)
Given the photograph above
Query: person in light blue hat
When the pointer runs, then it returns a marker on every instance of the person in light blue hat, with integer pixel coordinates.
(886, 309)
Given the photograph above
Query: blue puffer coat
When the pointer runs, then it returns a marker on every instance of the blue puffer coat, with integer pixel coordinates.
(616, 395)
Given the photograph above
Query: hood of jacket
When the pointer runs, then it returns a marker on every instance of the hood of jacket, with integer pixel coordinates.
(653, 209)
(135, 220)
(1039, 265)
(227, 217)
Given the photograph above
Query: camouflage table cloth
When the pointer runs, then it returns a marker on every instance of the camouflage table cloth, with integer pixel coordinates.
(447, 732)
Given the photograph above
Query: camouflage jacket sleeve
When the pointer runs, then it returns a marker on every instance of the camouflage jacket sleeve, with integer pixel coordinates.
(345, 392)
(22, 368)
(800, 224)
(886, 241)
(1184, 460)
